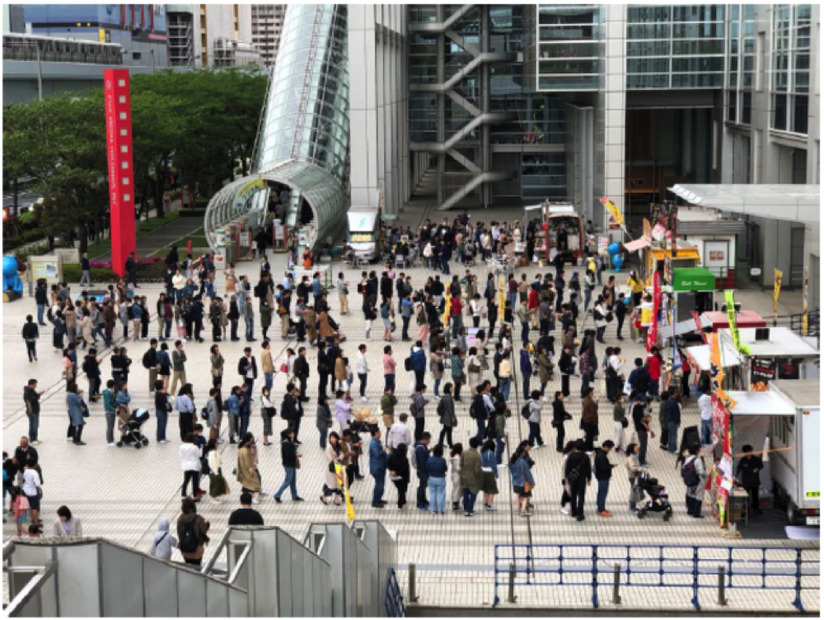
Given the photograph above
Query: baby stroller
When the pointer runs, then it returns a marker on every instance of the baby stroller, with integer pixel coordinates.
(130, 429)
(658, 497)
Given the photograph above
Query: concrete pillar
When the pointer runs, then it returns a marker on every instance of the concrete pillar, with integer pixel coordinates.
(614, 107)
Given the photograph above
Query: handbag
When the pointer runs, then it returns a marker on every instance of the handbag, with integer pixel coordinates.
(528, 486)
(84, 409)
(624, 422)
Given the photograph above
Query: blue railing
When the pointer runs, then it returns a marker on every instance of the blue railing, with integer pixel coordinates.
(395, 607)
(650, 566)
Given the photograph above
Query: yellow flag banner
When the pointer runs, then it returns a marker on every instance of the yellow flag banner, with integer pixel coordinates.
(614, 211)
(776, 291)
(340, 474)
(729, 297)
(805, 321)
(501, 299)
(447, 308)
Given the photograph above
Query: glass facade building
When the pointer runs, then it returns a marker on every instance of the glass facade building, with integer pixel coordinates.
(303, 139)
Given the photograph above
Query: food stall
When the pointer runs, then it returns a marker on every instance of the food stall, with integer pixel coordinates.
(693, 290)
(698, 357)
(775, 353)
(661, 260)
(744, 319)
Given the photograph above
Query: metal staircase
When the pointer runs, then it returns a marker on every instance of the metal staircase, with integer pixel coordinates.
(466, 143)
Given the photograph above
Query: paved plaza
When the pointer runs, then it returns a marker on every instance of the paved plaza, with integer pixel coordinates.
(121, 493)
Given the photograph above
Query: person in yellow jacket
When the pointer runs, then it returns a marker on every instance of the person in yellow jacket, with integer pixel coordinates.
(636, 286)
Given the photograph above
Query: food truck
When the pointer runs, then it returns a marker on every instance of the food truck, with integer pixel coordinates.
(775, 353)
(787, 416)
(554, 215)
(363, 232)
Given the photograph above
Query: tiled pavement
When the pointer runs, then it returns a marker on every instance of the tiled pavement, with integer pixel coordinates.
(120, 493)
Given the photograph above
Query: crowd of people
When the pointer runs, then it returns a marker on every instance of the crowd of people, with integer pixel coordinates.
(493, 352)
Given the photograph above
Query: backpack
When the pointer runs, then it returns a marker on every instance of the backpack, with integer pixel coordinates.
(689, 473)
(129, 312)
(188, 540)
(477, 408)
(147, 359)
(407, 363)
(525, 413)
(204, 413)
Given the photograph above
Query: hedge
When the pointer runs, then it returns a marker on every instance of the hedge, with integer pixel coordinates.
(154, 272)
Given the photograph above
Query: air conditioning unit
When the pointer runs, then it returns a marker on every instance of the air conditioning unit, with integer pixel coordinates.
(762, 333)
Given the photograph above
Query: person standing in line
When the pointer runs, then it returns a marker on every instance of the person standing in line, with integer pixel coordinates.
(92, 369)
(526, 370)
(190, 463)
(267, 412)
(446, 415)
(505, 375)
(291, 409)
(110, 410)
(78, 410)
(673, 409)
(705, 405)
(163, 542)
(30, 335)
(32, 489)
(377, 467)
(398, 466)
(534, 420)
(421, 457)
(471, 476)
(301, 372)
(522, 480)
(603, 474)
(695, 493)
(249, 319)
(248, 474)
(387, 407)
(41, 298)
(362, 369)
(619, 421)
(216, 362)
(578, 474)
(178, 365)
(290, 457)
(184, 403)
(436, 366)
(418, 409)
(640, 421)
(323, 419)
(634, 470)
(589, 419)
(455, 455)
(268, 365)
(31, 397)
(418, 360)
(389, 365)
(436, 476)
(150, 363)
(489, 466)
(247, 368)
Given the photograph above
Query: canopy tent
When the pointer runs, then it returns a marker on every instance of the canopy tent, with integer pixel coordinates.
(782, 342)
(798, 203)
(701, 355)
(638, 244)
(743, 319)
(760, 403)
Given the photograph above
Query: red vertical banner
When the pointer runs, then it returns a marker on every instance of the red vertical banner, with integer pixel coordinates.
(121, 175)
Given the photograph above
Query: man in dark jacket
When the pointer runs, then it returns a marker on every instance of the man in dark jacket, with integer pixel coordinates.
(566, 364)
(92, 369)
(325, 366)
(131, 270)
(377, 467)
(620, 314)
(421, 457)
(386, 286)
(197, 317)
(603, 473)
(234, 316)
(578, 475)
(749, 477)
(289, 457)
(30, 335)
(247, 368)
(301, 370)
(639, 378)
(31, 396)
(292, 409)
(85, 267)
(41, 298)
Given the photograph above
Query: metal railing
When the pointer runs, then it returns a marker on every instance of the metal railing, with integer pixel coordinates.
(395, 607)
(665, 566)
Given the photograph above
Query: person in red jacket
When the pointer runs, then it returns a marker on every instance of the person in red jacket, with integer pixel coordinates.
(654, 361)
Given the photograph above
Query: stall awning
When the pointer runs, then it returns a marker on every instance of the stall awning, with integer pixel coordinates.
(795, 203)
(780, 342)
(638, 244)
(692, 279)
(760, 403)
(701, 355)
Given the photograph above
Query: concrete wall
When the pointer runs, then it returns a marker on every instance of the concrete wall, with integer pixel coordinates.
(378, 123)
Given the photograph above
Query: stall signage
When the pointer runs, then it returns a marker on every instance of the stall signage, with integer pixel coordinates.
(762, 369)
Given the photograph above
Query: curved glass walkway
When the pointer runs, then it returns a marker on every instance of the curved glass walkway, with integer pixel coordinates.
(303, 139)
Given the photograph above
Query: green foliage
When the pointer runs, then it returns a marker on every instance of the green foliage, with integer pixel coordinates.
(154, 271)
(199, 123)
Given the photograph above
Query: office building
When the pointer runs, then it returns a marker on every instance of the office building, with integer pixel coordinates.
(267, 25)
(209, 35)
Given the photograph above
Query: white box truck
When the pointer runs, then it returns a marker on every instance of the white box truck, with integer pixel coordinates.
(796, 470)
(363, 232)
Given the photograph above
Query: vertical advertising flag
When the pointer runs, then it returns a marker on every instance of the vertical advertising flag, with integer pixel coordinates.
(340, 475)
(447, 308)
(652, 332)
(501, 299)
(776, 291)
(805, 321)
(729, 297)
(616, 218)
